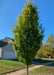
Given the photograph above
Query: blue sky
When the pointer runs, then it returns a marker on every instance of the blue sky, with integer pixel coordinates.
(9, 9)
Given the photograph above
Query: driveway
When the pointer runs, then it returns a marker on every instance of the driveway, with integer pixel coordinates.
(52, 65)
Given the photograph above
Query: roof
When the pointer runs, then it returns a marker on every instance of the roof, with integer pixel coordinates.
(8, 38)
(2, 43)
(6, 41)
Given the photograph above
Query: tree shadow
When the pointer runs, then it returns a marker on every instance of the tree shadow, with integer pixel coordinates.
(44, 64)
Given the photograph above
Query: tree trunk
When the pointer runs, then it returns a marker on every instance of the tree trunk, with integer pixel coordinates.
(27, 69)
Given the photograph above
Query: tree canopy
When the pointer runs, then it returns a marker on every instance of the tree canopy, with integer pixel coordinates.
(28, 34)
(50, 40)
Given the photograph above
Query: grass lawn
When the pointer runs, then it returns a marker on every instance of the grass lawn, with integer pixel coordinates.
(46, 70)
(8, 66)
(43, 60)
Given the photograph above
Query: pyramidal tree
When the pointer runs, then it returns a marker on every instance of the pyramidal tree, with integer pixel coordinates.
(28, 34)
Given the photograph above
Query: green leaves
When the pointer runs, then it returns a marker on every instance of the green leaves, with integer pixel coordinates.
(27, 36)
(47, 51)
(50, 40)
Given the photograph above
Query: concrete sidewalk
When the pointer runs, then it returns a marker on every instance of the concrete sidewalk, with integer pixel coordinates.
(20, 72)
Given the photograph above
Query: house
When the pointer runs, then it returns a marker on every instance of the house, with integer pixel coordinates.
(6, 49)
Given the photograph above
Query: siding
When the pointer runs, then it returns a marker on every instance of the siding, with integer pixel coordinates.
(8, 52)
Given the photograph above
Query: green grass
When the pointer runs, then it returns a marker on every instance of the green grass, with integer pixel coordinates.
(9, 66)
(43, 60)
(46, 70)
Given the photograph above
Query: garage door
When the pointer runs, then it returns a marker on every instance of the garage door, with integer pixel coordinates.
(9, 55)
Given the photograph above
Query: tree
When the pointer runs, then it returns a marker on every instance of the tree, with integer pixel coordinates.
(28, 34)
(40, 52)
(47, 51)
(50, 40)
(53, 54)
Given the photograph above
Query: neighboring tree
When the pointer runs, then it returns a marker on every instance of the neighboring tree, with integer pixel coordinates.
(47, 51)
(28, 35)
(50, 40)
(40, 52)
(53, 54)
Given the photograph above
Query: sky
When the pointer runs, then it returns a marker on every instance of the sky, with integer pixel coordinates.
(9, 10)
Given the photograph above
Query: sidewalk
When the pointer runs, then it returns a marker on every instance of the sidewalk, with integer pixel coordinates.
(20, 72)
